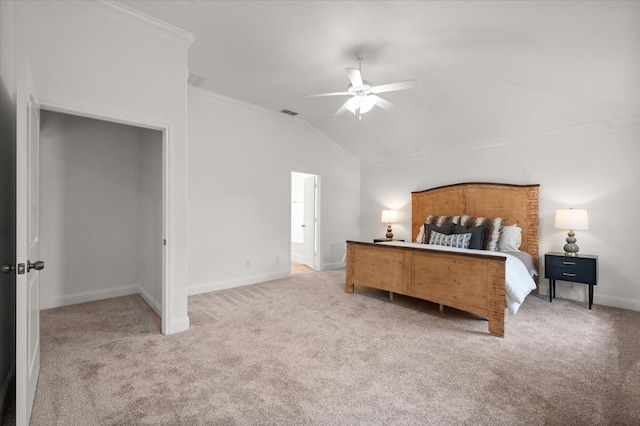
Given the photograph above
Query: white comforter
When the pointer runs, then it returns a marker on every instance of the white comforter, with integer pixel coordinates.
(519, 282)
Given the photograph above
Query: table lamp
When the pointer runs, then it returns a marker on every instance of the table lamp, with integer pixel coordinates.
(389, 217)
(571, 219)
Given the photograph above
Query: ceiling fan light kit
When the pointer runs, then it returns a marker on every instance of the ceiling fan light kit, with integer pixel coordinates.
(364, 94)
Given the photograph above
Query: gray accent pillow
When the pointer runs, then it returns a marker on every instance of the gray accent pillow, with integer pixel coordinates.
(428, 228)
(434, 220)
(477, 235)
(492, 229)
(453, 240)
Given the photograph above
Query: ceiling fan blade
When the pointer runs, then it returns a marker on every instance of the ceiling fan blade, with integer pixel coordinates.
(327, 94)
(354, 77)
(401, 85)
(382, 103)
(342, 109)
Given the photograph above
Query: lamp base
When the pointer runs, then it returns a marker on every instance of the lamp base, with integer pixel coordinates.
(389, 234)
(571, 248)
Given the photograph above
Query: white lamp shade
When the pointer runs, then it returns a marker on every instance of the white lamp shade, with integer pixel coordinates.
(352, 104)
(366, 103)
(389, 216)
(575, 219)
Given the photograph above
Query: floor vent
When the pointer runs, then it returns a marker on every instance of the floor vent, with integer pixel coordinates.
(286, 111)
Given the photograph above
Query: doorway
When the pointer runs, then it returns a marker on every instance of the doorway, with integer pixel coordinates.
(304, 220)
(102, 198)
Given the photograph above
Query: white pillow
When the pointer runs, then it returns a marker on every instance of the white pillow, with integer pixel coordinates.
(511, 238)
(420, 236)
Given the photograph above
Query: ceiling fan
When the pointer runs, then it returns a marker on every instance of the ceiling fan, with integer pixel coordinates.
(364, 94)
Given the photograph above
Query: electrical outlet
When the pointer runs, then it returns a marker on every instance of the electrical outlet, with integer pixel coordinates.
(247, 263)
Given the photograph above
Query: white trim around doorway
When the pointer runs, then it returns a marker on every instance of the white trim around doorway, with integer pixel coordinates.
(163, 310)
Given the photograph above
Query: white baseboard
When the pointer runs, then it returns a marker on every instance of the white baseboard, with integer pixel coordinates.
(614, 302)
(297, 257)
(88, 296)
(617, 302)
(151, 301)
(334, 265)
(91, 296)
(237, 282)
(177, 326)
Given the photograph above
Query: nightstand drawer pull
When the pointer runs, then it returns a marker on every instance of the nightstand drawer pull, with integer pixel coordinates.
(566, 274)
(568, 263)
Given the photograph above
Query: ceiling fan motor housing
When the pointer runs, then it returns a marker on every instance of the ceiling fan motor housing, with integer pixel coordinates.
(363, 90)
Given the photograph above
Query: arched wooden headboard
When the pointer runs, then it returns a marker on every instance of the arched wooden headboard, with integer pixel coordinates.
(517, 204)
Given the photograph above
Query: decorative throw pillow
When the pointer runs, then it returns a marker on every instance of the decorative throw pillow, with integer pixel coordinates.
(511, 238)
(477, 234)
(441, 220)
(435, 220)
(429, 228)
(454, 240)
(492, 229)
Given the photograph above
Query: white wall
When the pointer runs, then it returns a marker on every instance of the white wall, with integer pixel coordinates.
(593, 167)
(100, 197)
(240, 163)
(93, 58)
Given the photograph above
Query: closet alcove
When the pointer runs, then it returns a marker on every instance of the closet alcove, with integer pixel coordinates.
(101, 214)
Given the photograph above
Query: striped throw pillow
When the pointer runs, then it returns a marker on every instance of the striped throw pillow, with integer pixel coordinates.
(441, 220)
(492, 229)
(454, 240)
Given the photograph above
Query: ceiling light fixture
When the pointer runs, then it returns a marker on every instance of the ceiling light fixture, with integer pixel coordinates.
(364, 94)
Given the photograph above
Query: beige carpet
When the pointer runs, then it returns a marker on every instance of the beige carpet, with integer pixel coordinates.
(301, 351)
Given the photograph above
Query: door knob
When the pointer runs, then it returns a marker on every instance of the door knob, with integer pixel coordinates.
(37, 265)
(6, 268)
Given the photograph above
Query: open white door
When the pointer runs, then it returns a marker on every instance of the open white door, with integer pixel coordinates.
(309, 245)
(27, 244)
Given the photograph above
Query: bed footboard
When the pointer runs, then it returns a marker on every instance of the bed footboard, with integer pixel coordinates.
(469, 282)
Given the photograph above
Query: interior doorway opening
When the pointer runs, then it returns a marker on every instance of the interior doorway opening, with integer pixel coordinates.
(102, 210)
(304, 221)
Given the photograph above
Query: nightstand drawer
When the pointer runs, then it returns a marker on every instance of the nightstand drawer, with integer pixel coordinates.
(571, 274)
(569, 263)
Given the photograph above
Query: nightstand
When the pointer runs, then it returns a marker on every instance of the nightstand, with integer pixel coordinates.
(382, 240)
(581, 269)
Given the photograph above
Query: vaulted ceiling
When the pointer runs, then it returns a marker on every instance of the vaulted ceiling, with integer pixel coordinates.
(488, 71)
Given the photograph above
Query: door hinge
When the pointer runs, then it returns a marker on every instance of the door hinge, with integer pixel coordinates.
(164, 242)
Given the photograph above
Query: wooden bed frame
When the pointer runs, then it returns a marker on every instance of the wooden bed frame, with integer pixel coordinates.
(470, 282)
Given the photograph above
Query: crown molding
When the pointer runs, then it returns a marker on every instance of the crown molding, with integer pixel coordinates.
(128, 16)
(604, 126)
